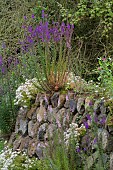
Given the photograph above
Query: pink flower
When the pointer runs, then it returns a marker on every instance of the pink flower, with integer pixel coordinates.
(99, 68)
(104, 59)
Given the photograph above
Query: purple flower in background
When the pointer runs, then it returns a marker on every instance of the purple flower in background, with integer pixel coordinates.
(103, 120)
(3, 45)
(88, 117)
(43, 14)
(95, 141)
(25, 17)
(78, 150)
(30, 29)
(85, 149)
(90, 103)
(95, 118)
(33, 16)
(3, 70)
(1, 61)
(86, 125)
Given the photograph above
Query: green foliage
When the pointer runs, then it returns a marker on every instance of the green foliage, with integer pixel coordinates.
(1, 145)
(105, 70)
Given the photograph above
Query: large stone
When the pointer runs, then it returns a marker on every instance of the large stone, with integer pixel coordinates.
(61, 100)
(60, 116)
(81, 105)
(16, 143)
(32, 128)
(88, 104)
(40, 114)
(50, 132)
(31, 111)
(73, 106)
(107, 140)
(23, 112)
(42, 131)
(99, 107)
(37, 101)
(32, 147)
(12, 139)
(41, 149)
(24, 143)
(54, 99)
(21, 125)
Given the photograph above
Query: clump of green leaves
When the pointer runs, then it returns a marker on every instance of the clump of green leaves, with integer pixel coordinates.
(105, 71)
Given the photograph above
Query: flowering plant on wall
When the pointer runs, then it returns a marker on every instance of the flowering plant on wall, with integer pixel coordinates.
(51, 45)
(26, 93)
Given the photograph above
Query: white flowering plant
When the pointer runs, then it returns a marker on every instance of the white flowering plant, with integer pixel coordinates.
(26, 92)
(12, 160)
(73, 134)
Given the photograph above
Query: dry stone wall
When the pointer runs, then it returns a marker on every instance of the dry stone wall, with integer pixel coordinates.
(36, 126)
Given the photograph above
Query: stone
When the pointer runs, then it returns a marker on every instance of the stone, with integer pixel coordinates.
(16, 143)
(60, 116)
(51, 114)
(50, 132)
(111, 161)
(88, 104)
(34, 116)
(32, 147)
(24, 143)
(110, 129)
(12, 139)
(66, 105)
(30, 112)
(74, 118)
(54, 99)
(32, 128)
(23, 112)
(40, 114)
(73, 106)
(42, 131)
(37, 100)
(81, 105)
(61, 100)
(106, 138)
(21, 125)
(98, 106)
(40, 150)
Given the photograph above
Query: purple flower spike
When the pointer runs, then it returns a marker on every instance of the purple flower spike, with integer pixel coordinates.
(95, 118)
(1, 61)
(103, 120)
(43, 14)
(25, 17)
(90, 103)
(78, 150)
(33, 16)
(88, 117)
(86, 125)
(95, 141)
(3, 45)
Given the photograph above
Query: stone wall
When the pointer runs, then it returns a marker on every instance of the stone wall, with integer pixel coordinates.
(35, 126)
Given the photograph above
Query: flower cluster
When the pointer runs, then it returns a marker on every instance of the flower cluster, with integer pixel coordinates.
(45, 33)
(8, 160)
(26, 92)
(73, 134)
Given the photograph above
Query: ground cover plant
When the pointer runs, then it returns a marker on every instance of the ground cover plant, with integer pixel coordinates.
(55, 45)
